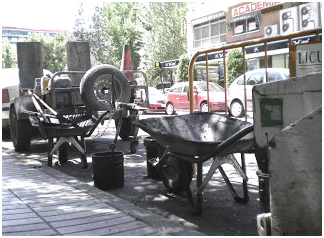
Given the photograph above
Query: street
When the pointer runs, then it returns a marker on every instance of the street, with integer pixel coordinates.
(221, 214)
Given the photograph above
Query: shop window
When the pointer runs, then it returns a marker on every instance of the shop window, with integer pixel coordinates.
(245, 25)
(211, 33)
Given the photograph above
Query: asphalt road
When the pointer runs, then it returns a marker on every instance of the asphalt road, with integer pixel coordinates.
(221, 215)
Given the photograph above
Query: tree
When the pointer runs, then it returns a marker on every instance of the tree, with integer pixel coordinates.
(54, 51)
(162, 36)
(234, 65)
(80, 32)
(8, 56)
(113, 26)
(183, 68)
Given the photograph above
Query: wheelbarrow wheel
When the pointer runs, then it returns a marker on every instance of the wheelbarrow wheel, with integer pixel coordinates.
(171, 174)
(63, 153)
(96, 88)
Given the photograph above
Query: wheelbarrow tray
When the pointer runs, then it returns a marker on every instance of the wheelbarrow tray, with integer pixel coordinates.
(198, 133)
(58, 130)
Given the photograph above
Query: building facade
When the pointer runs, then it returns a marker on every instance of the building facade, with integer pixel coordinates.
(15, 34)
(210, 28)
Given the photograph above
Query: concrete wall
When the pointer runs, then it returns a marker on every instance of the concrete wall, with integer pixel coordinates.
(295, 165)
(78, 59)
(30, 63)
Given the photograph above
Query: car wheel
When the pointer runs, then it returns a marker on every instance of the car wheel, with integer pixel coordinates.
(126, 128)
(95, 88)
(169, 109)
(237, 109)
(204, 107)
(20, 131)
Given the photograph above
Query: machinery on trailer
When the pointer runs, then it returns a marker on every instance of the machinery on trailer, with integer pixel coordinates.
(66, 113)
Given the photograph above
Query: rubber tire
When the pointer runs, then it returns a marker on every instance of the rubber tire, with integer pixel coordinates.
(169, 111)
(87, 84)
(63, 153)
(20, 132)
(172, 177)
(238, 103)
(126, 128)
(202, 106)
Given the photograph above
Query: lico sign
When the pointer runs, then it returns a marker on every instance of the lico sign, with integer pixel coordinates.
(251, 7)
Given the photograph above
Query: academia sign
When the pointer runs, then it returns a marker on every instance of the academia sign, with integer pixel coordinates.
(251, 7)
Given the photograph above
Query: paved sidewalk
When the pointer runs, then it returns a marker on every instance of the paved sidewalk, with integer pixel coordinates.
(41, 201)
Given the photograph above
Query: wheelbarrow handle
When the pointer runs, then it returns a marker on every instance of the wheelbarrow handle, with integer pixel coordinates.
(97, 123)
(226, 143)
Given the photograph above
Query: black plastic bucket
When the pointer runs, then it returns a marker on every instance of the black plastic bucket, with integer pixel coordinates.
(152, 148)
(108, 170)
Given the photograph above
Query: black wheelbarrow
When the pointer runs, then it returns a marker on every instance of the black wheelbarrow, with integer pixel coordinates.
(68, 129)
(196, 138)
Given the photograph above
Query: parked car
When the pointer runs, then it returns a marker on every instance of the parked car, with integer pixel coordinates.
(156, 99)
(177, 97)
(235, 93)
(10, 89)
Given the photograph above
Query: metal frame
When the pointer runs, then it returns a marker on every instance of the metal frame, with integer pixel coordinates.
(242, 45)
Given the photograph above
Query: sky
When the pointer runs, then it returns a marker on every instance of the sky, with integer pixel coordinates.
(49, 15)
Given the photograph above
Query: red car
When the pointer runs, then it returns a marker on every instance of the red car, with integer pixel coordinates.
(177, 98)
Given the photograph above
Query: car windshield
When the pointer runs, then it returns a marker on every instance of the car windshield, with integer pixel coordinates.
(212, 87)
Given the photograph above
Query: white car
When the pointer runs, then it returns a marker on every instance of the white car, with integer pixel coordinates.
(10, 89)
(235, 92)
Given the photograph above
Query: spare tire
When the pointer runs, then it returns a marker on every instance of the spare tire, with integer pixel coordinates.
(96, 88)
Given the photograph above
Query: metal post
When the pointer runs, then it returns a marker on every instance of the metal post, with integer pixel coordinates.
(266, 60)
(207, 81)
(244, 70)
(225, 87)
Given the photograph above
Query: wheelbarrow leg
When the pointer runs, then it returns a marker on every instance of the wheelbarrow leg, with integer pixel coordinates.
(83, 156)
(195, 203)
(237, 198)
(49, 149)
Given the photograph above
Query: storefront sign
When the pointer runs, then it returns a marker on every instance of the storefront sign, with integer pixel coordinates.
(305, 59)
(251, 7)
(308, 59)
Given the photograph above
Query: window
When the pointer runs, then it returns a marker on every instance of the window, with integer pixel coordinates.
(246, 25)
(256, 78)
(176, 89)
(211, 33)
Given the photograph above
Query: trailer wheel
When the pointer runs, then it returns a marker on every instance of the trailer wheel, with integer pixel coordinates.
(20, 131)
(96, 88)
(172, 176)
(126, 128)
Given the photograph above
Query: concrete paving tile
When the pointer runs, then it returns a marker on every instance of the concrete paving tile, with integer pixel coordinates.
(86, 220)
(109, 230)
(96, 225)
(31, 227)
(142, 231)
(70, 216)
(15, 211)
(64, 210)
(29, 214)
(21, 222)
(47, 232)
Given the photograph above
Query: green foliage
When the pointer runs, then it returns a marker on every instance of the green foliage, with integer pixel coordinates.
(234, 65)
(114, 25)
(8, 56)
(162, 35)
(54, 51)
(183, 68)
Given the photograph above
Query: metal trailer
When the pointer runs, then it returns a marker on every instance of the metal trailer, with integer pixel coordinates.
(66, 112)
